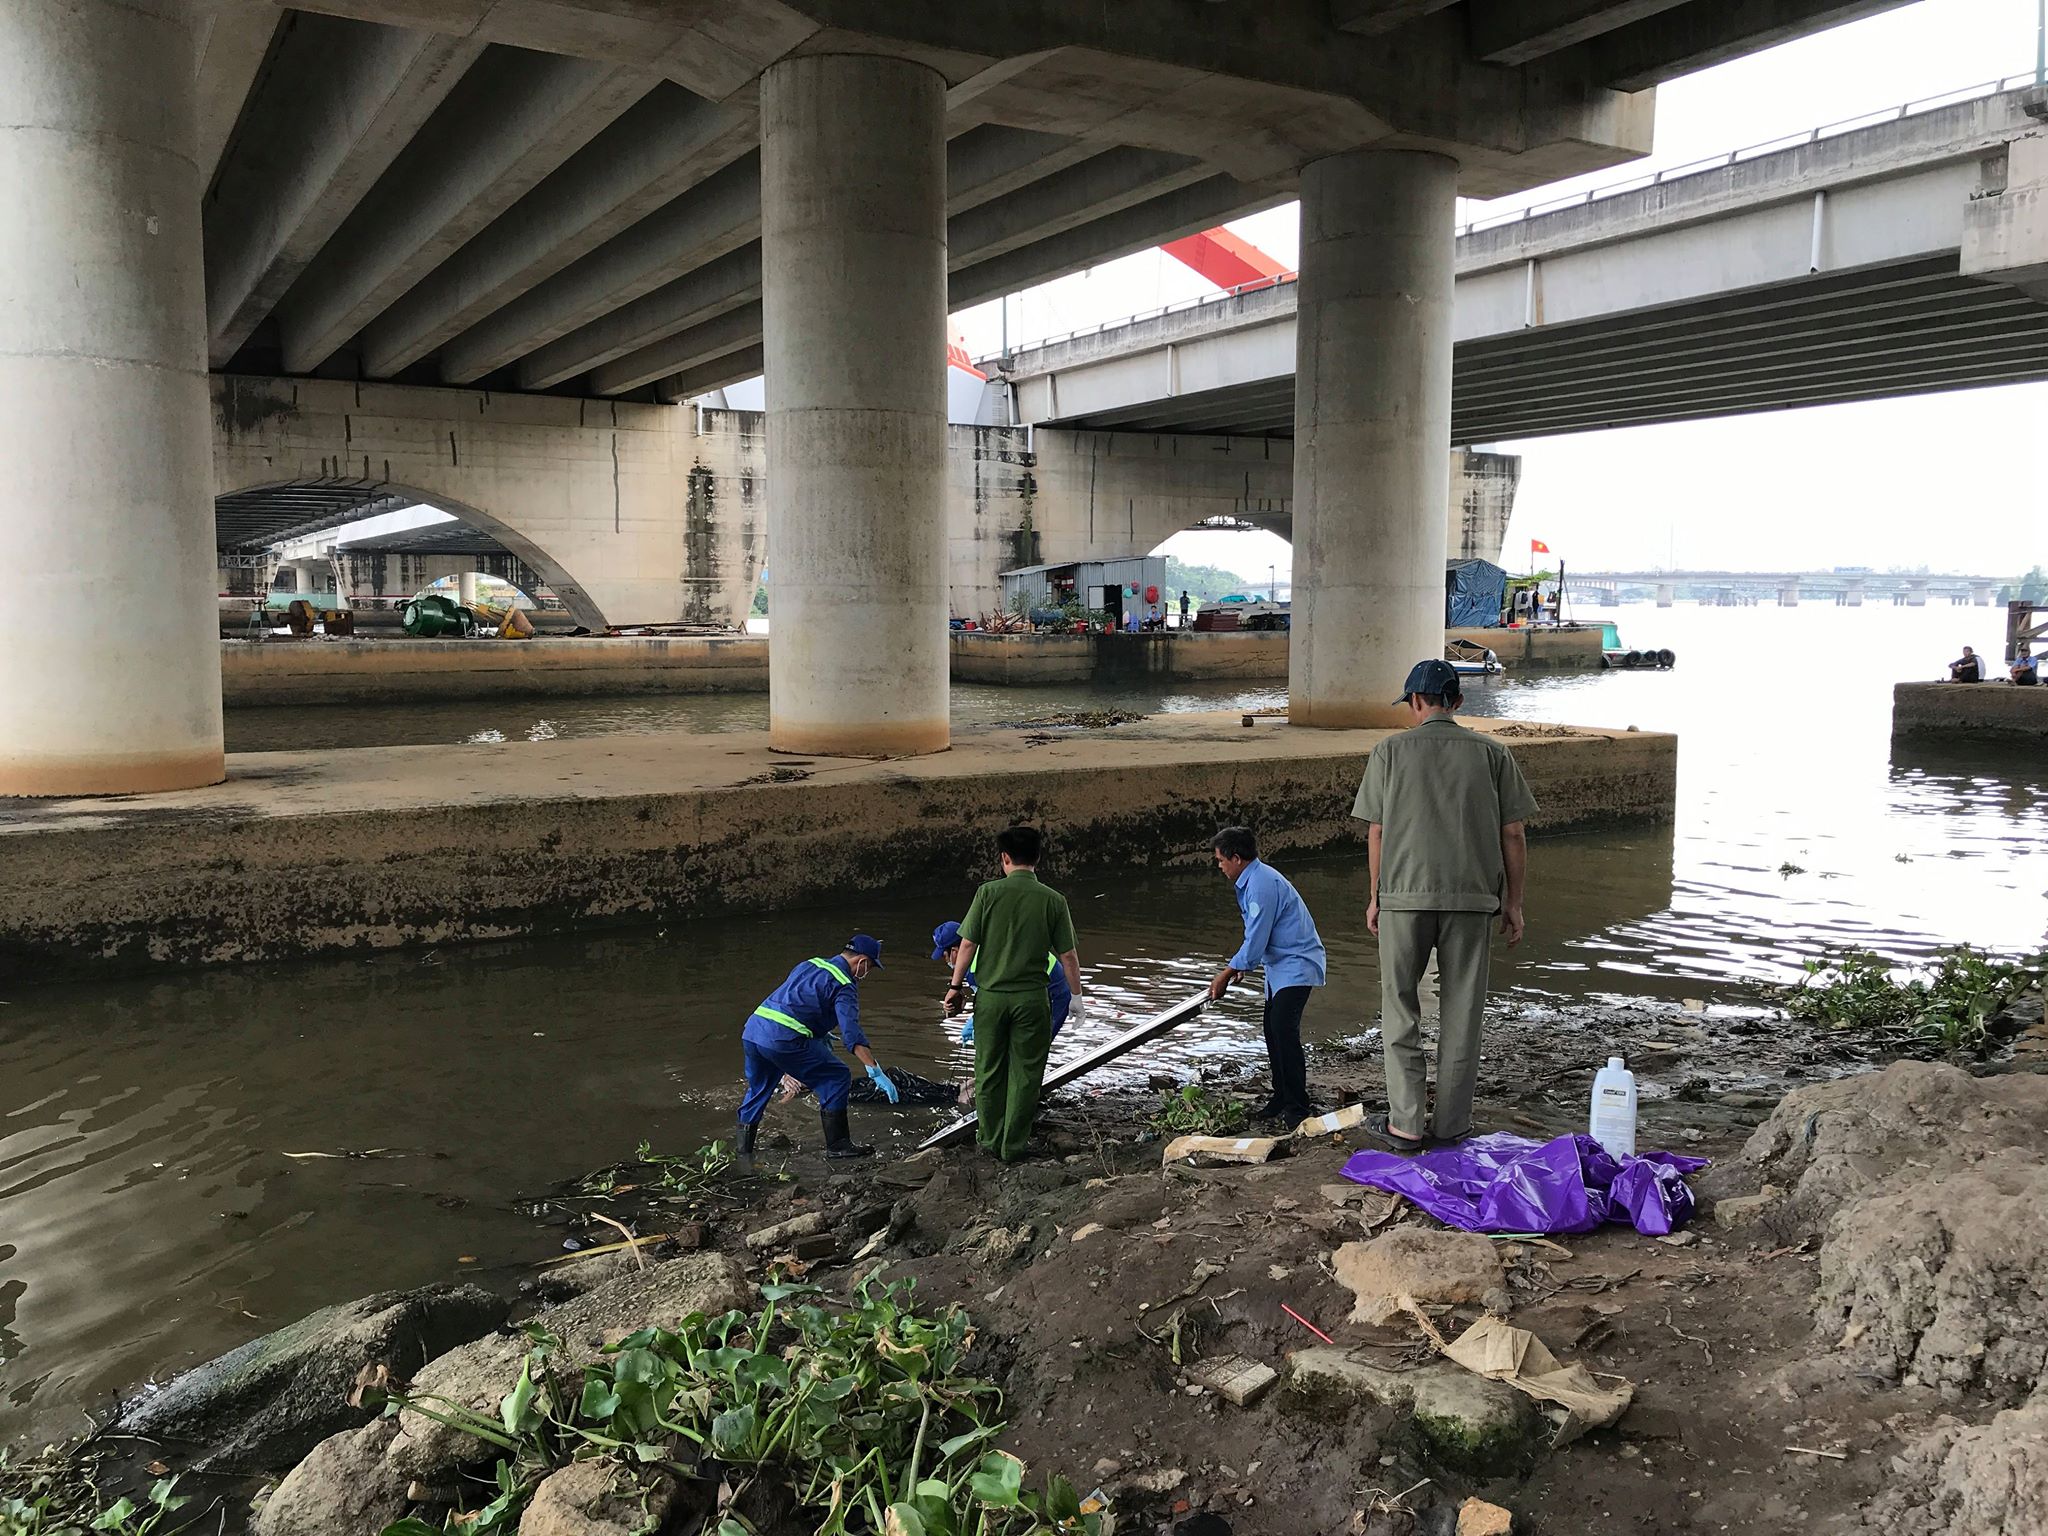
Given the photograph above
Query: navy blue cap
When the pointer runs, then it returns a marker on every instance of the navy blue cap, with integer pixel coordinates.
(944, 937)
(1433, 676)
(861, 944)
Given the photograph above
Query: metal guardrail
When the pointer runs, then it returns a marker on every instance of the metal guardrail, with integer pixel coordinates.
(1581, 199)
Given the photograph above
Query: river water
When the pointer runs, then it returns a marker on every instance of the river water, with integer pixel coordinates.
(151, 1212)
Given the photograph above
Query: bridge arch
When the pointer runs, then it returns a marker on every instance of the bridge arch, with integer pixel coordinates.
(257, 514)
(595, 496)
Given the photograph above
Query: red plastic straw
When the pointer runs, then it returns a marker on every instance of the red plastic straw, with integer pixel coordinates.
(1311, 1327)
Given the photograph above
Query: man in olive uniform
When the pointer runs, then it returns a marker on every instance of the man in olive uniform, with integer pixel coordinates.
(1011, 926)
(1446, 844)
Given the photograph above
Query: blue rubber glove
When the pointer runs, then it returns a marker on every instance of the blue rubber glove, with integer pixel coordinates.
(881, 1081)
(967, 1033)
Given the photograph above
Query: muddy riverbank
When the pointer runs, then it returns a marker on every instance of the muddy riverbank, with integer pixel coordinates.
(1784, 1368)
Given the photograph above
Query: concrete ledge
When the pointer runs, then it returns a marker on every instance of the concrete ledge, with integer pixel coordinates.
(1970, 709)
(308, 672)
(1167, 656)
(1522, 650)
(303, 853)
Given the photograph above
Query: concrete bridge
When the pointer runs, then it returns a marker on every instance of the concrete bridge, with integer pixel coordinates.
(1853, 262)
(489, 225)
(1848, 588)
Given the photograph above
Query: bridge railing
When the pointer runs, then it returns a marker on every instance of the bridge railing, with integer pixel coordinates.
(1579, 199)
(1756, 151)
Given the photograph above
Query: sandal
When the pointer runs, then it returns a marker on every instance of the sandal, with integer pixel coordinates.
(1406, 1146)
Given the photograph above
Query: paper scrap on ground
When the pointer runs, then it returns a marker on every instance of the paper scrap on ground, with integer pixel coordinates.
(1224, 1149)
(1495, 1348)
(1336, 1120)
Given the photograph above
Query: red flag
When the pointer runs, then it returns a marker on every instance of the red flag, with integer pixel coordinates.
(1538, 547)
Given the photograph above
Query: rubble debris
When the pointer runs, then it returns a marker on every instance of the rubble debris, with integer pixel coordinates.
(1236, 1379)
(1416, 1264)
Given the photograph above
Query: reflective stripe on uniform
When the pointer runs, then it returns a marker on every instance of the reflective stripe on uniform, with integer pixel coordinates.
(840, 976)
(776, 1016)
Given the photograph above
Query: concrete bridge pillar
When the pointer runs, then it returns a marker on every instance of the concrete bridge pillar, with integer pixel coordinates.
(1853, 595)
(853, 232)
(1372, 427)
(1666, 594)
(1916, 594)
(1788, 595)
(1983, 594)
(105, 432)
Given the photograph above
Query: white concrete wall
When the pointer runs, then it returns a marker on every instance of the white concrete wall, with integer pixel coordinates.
(600, 499)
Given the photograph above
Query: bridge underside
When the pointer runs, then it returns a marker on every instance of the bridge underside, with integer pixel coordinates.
(1826, 340)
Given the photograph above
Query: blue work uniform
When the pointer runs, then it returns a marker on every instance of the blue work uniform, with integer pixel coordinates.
(790, 1031)
(1278, 932)
(1057, 992)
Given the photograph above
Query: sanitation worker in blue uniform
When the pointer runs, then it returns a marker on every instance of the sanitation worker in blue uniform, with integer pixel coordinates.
(789, 1033)
(1280, 939)
(946, 948)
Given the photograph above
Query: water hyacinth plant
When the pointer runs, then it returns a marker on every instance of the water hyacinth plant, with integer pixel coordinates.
(1947, 1010)
(866, 1414)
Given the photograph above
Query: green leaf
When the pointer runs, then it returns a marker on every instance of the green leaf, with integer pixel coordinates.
(948, 1449)
(902, 1520)
(115, 1515)
(411, 1525)
(1061, 1501)
(516, 1409)
(998, 1480)
(599, 1402)
(642, 1366)
(732, 1432)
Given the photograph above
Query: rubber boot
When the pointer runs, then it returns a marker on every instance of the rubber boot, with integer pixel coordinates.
(839, 1142)
(743, 1144)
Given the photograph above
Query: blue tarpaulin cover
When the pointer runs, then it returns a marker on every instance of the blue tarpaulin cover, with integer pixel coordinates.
(1507, 1183)
(1473, 593)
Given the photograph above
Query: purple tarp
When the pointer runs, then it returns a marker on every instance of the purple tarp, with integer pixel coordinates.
(1506, 1183)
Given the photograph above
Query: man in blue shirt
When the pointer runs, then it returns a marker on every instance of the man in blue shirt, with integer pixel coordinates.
(788, 1034)
(1280, 936)
(946, 947)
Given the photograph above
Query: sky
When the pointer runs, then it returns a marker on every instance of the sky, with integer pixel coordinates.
(1878, 484)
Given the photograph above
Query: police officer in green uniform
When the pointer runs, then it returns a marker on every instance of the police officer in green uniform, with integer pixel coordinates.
(1011, 926)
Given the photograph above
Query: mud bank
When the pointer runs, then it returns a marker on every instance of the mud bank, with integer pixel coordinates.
(321, 853)
(1847, 1340)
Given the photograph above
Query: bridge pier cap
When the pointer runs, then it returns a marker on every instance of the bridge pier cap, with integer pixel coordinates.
(1372, 430)
(106, 428)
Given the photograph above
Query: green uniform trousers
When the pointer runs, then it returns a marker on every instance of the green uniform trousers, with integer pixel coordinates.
(1012, 1038)
(1459, 942)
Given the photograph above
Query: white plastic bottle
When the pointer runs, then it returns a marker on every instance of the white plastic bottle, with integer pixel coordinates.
(1613, 1122)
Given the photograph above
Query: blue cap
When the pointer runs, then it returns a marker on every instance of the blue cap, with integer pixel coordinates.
(944, 937)
(1433, 676)
(861, 944)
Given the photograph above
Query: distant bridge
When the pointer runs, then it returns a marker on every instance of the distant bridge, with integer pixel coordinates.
(1849, 588)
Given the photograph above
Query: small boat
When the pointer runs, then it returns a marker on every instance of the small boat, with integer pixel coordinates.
(1468, 658)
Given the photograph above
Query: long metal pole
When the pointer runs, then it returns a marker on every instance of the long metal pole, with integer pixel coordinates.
(2040, 44)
